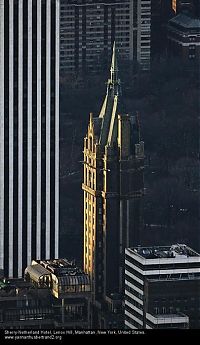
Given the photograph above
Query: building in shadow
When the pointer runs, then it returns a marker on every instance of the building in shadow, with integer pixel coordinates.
(70, 290)
(162, 287)
(22, 306)
(184, 39)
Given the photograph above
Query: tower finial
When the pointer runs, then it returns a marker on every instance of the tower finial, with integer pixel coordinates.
(114, 67)
(91, 119)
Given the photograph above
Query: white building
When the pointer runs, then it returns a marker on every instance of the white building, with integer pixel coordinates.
(162, 287)
(29, 138)
(88, 29)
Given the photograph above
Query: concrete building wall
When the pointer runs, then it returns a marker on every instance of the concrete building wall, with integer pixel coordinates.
(29, 113)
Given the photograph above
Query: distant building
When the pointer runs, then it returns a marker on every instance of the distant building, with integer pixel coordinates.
(88, 29)
(196, 8)
(69, 286)
(113, 190)
(162, 287)
(161, 12)
(182, 5)
(184, 39)
(23, 306)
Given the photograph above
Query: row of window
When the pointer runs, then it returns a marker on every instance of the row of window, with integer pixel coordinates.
(71, 288)
(134, 312)
(133, 302)
(133, 282)
(134, 292)
(172, 265)
(132, 322)
(175, 310)
(28, 314)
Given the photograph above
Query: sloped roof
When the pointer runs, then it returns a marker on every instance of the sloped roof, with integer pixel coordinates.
(69, 280)
(36, 271)
(186, 21)
(111, 106)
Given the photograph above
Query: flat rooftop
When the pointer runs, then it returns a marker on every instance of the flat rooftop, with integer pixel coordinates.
(171, 319)
(14, 283)
(173, 251)
(169, 316)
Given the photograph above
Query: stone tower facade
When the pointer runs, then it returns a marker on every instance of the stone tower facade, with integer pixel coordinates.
(113, 189)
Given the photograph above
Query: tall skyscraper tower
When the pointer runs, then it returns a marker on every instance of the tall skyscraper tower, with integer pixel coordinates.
(88, 29)
(113, 189)
(29, 137)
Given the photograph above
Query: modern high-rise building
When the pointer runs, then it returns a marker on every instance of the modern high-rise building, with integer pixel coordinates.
(88, 29)
(29, 132)
(162, 287)
(113, 189)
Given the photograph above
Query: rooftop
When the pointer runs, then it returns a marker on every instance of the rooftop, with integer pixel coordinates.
(18, 288)
(173, 251)
(168, 319)
(63, 272)
(170, 316)
(61, 267)
(185, 21)
(14, 283)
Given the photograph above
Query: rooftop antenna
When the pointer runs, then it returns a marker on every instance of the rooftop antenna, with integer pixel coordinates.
(114, 67)
(114, 82)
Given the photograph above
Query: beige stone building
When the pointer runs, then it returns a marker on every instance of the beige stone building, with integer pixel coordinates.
(113, 189)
